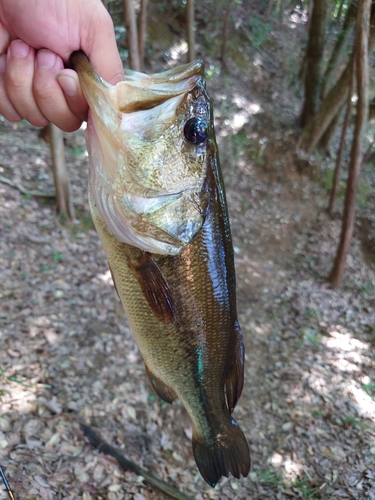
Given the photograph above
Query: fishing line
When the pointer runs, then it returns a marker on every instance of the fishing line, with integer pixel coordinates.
(5, 481)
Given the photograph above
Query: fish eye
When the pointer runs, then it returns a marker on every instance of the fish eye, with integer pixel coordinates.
(195, 130)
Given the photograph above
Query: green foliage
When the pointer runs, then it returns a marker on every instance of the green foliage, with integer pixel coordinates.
(369, 389)
(58, 256)
(305, 490)
(78, 150)
(85, 223)
(363, 192)
(364, 189)
(311, 335)
(337, 10)
(351, 421)
(258, 31)
(369, 287)
(326, 182)
(8, 378)
(269, 476)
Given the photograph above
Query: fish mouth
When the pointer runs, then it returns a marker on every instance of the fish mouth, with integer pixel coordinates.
(138, 91)
(123, 193)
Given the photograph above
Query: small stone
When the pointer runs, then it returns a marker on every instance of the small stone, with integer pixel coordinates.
(114, 487)
(131, 412)
(4, 424)
(3, 442)
(177, 457)
(287, 426)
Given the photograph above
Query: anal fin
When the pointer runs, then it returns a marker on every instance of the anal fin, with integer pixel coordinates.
(154, 287)
(164, 392)
(234, 381)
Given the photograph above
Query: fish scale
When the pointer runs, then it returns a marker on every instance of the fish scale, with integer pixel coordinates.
(181, 304)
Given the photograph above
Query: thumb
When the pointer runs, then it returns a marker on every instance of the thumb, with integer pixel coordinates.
(99, 43)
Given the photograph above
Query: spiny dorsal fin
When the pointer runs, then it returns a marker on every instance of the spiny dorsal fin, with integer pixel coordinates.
(234, 382)
(162, 390)
(154, 287)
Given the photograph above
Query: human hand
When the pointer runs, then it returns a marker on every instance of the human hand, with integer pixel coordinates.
(36, 39)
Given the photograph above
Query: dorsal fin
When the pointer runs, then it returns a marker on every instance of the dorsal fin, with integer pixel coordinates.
(154, 287)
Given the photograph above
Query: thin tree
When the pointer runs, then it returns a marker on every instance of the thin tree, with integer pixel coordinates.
(348, 113)
(339, 47)
(131, 35)
(331, 104)
(225, 31)
(142, 31)
(314, 57)
(64, 203)
(361, 57)
(190, 29)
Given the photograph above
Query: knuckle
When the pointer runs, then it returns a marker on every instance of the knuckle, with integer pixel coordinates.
(16, 82)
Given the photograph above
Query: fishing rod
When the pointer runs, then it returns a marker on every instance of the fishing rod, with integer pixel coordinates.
(5, 481)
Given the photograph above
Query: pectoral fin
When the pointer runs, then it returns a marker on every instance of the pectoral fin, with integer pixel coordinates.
(154, 287)
(162, 390)
(234, 382)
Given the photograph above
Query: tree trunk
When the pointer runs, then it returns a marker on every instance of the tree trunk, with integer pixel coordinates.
(314, 55)
(361, 57)
(339, 13)
(339, 47)
(327, 137)
(348, 113)
(371, 114)
(190, 29)
(225, 32)
(142, 32)
(131, 35)
(64, 204)
(331, 104)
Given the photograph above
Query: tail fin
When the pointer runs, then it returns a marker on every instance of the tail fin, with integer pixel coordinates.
(226, 453)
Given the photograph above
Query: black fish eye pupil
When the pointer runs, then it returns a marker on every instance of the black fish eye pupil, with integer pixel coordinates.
(195, 130)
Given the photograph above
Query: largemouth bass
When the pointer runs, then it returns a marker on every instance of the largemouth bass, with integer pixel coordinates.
(158, 203)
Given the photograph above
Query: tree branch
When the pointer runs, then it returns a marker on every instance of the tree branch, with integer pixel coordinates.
(127, 465)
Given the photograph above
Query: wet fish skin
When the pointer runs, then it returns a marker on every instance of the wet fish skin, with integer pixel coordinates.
(182, 313)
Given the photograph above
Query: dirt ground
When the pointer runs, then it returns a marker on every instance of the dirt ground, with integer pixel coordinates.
(67, 355)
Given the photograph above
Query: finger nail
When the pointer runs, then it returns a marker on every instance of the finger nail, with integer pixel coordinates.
(18, 48)
(45, 59)
(3, 59)
(68, 84)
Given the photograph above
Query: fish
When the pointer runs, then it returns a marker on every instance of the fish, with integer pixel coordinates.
(157, 199)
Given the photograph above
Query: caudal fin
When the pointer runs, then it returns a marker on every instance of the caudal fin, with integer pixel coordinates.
(226, 453)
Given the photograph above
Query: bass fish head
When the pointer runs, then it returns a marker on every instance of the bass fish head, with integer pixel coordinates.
(150, 139)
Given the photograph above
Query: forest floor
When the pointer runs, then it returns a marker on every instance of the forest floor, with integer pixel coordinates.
(67, 355)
